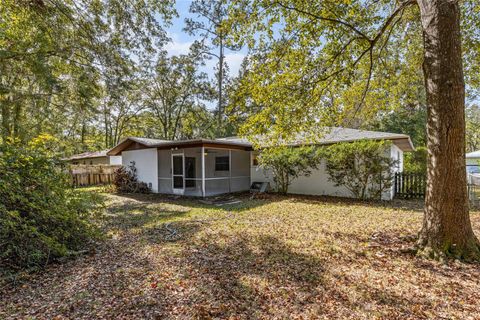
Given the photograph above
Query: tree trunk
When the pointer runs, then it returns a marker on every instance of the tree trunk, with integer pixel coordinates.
(220, 86)
(446, 230)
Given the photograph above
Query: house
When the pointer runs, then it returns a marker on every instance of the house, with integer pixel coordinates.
(94, 158)
(206, 167)
(473, 162)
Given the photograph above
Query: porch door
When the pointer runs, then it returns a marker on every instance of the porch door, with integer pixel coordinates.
(178, 179)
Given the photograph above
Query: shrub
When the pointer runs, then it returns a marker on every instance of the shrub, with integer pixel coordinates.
(288, 163)
(363, 167)
(416, 161)
(126, 180)
(41, 217)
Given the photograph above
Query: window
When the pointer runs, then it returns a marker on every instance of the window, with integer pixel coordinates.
(222, 164)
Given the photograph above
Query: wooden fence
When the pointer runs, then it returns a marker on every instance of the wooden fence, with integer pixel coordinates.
(90, 175)
(410, 185)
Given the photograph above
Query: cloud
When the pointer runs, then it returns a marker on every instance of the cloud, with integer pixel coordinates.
(234, 61)
(176, 46)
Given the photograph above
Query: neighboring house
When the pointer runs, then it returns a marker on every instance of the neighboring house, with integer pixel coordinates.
(473, 162)
(203, 167)
(94, 158)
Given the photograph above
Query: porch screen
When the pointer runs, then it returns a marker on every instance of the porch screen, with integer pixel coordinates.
(222, 163)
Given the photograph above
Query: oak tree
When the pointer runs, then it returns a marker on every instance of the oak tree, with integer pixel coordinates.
(317, 63)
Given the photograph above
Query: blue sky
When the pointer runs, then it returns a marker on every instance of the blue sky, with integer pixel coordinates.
(181, 42)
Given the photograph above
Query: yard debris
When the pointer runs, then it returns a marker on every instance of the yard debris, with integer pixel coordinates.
(220, 201)
(173, 234)
(291, 257)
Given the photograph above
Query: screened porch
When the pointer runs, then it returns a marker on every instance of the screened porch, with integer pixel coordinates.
(203, 171)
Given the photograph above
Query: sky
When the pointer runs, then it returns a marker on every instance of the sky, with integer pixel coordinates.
(181, 42)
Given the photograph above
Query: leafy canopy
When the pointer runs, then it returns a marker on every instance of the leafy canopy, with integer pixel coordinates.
(327, 63)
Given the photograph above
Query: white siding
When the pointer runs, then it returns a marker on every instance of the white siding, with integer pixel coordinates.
(396, 154)
(146, 164)
(318, 183)
(115, 160)
(315, 184)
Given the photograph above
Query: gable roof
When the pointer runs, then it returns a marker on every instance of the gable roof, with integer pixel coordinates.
(331, 136)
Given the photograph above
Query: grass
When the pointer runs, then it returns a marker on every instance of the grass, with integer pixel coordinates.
(282, 257)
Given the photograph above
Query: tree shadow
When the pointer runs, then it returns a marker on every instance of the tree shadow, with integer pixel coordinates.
(240, 201)
(129, 215)
(400, 204)
(232, 274)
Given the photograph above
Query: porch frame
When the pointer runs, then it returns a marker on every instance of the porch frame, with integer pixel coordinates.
(181, 151)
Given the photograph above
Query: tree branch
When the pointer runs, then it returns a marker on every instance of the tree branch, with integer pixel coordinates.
(317, 17)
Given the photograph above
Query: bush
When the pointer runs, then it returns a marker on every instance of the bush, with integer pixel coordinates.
(41, 217)
(288, 163)
(416, 161)
(126, 180)
(363, 167)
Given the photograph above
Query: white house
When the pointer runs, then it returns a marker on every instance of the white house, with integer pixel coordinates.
(203, 167)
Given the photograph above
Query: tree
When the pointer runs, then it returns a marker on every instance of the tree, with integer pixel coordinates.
(447, 229)
(210, 17)
(408, 119)
(288, 163)
(120, 107)
(416, 161)
(55, 56)
(365, 167)
(177, 89)
(306, 52)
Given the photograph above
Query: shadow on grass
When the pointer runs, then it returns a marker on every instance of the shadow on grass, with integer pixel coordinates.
(139, 214)
(240, 275)
(244, 203)
(401, 204)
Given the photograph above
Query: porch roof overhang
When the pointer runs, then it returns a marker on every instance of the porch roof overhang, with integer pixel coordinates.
(134, 143)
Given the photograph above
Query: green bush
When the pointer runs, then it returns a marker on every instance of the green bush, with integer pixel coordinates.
(416, 161)
(363, 167)
(41, 217)
(288, 163)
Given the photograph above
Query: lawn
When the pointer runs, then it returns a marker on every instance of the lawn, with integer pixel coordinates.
(281, 257)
